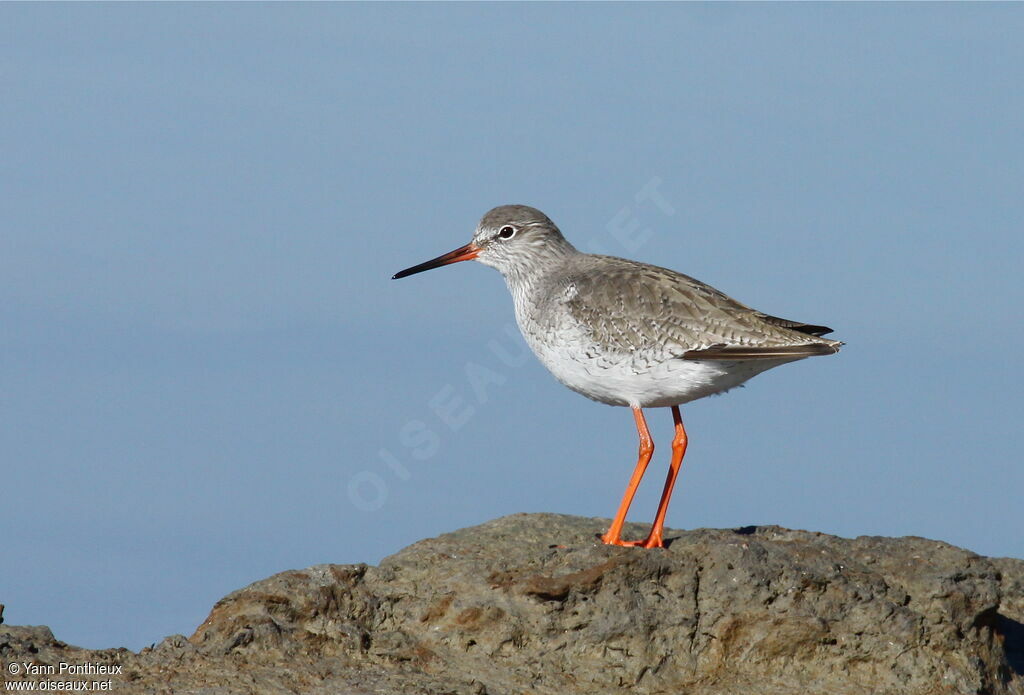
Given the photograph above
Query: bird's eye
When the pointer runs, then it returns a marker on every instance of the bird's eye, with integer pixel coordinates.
(507, 232)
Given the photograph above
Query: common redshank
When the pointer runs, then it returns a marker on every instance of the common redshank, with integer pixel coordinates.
(627, 333)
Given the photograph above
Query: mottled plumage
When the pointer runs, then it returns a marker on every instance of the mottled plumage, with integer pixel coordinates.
(627, 333)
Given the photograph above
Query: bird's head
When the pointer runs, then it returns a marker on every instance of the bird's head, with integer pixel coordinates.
(511, 238)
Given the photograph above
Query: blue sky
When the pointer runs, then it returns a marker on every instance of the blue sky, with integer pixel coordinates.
(209, 377)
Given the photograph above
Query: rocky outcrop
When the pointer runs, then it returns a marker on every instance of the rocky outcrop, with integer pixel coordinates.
(534, 603)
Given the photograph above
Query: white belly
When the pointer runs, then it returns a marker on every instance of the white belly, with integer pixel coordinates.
(639, 380)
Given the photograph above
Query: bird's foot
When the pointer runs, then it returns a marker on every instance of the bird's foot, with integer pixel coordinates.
(652, 541)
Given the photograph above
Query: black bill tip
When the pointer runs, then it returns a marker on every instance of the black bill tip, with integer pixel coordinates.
(463, 253)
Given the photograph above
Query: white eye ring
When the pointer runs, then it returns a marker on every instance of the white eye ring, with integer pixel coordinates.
(507, 232)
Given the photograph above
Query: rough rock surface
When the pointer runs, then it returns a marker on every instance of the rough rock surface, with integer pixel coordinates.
(533, 603)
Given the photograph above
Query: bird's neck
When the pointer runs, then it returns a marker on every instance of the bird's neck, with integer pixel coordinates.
(534, 269)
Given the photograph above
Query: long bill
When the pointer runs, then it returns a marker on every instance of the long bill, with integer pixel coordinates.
(463, 253)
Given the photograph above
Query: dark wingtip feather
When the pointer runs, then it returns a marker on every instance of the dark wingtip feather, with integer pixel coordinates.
(816, 331)
(799, 327)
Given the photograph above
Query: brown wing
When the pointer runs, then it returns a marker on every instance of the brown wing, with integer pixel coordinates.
(627, 306)
(727, 352)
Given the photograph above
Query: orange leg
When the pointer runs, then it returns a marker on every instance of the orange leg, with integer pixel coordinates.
(654, 539)
(614, 534)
